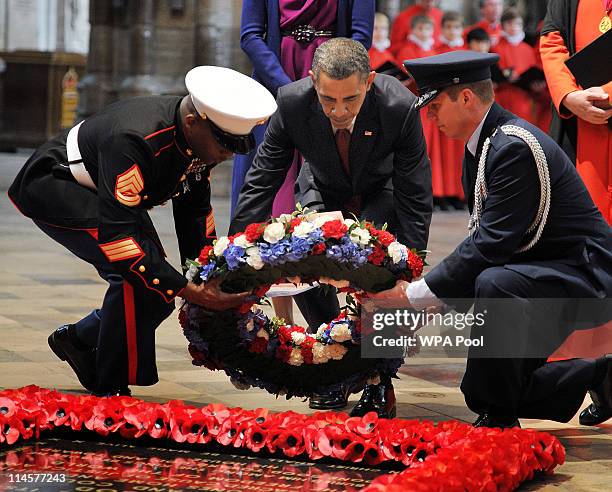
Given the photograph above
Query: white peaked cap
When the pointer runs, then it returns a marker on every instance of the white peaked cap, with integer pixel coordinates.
(231, 100)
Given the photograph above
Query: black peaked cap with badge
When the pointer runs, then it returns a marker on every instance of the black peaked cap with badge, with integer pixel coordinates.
(435, 73)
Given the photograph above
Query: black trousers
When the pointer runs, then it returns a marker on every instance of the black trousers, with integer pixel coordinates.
(523, 387)
(123, 328)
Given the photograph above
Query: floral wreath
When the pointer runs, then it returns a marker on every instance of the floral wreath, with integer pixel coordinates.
(300, 247)
(437, 457)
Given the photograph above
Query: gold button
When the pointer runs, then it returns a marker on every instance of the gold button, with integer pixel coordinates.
(156, 281)
(145, 197)
(142, 268)
(169, 292)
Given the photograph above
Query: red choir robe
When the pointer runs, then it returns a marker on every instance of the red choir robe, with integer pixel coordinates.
(447, 173)
(520, 57)
(379, 58)
(593, 152)
(409, 51)
(401, 25)
(594, 144)
(493, 30)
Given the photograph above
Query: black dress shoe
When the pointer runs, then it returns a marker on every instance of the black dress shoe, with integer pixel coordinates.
(487, 420)
(379, 398)
(334, 400)
(601, 409)
(125, 391)
(82, 361)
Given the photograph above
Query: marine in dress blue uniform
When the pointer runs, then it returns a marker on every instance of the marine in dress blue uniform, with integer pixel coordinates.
(90, 189)
(568, 257)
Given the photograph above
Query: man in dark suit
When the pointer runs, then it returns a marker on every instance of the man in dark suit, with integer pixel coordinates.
(364, 154)
(535, 234)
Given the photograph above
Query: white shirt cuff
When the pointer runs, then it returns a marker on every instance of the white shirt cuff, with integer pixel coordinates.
(421, 297)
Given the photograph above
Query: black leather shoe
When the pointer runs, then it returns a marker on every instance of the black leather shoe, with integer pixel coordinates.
(83, 362)
(125, 391)
(379, 398)
(487, 420)
(334, 400)
(601, 409)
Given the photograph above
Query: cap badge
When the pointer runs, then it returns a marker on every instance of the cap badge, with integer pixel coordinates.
(456, 80)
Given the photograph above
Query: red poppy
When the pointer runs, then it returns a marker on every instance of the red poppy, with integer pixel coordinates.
(11, 428)
(254, 231)
(290, 442)
(366, 426)
(306, 349)
(335, 229)
(218, 411)
(255, 438)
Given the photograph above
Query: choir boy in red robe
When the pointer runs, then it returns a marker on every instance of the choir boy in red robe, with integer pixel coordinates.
(401, 25)
(490, 12)
(379, 52)
(420, 43)
(446, 171)
(478, 40)
(515, 58)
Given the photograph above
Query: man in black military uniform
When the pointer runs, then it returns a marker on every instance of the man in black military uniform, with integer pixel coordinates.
(90, 189)
(364, 154)
(534, 234)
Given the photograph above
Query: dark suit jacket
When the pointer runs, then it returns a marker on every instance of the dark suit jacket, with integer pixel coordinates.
(576, 235)
(387, 152)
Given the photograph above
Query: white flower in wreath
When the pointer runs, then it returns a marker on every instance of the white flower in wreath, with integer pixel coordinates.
(336, 351)
(397, 252)
(303, 229)
(253, 258)
(296, 359)
(250, 325)
(360, 236)
(274, 232)
(297, 337)
(263, 334)
(242, 241)
(221, 245)
(340, 333)
(321, 330)
(349, 222)
(339, 284)
(319, 353)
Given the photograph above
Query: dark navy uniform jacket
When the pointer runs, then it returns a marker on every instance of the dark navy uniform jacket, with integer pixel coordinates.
(576, 235)
(136, 154)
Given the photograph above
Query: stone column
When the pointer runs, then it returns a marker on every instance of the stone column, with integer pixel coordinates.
(96, 86)
(389, 7)
(218, 35)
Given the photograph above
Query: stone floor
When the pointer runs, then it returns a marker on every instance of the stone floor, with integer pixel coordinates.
(43, 286)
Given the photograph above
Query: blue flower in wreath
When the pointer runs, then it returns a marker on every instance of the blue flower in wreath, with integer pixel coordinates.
(207, 270)
(275, 254)
(299, 249)
(234, 255)
(315, 236)
(335, 252)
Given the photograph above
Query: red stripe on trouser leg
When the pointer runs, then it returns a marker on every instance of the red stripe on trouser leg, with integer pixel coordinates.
(130, 331)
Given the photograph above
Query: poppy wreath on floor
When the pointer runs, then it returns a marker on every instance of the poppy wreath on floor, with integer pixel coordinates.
(448, 456)
(301, 247)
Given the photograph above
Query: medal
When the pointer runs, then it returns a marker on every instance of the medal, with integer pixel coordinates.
(605, 24)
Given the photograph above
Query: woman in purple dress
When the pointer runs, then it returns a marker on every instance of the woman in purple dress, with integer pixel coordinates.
(280, 38)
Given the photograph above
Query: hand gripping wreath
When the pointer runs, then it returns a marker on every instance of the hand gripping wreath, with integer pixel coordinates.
(302, 247)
